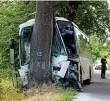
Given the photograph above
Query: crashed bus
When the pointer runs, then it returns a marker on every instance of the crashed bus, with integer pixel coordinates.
(71, 52)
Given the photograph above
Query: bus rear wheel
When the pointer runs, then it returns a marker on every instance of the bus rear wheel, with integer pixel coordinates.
(88, 81)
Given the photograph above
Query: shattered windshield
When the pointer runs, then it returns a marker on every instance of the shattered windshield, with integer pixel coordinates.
(65, 27)
(67, 32)
(25, 38)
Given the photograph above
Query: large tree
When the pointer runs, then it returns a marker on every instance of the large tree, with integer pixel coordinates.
(41, 41)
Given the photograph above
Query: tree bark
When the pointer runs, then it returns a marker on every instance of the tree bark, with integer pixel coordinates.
(41, 42)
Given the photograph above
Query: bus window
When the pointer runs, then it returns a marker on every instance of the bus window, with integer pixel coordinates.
(58, 46)
(85, 49)
(67, 32)
(25, 38)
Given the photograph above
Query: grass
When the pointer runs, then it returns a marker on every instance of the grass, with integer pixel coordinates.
(51, 94)
(8, 92)
(43, 93)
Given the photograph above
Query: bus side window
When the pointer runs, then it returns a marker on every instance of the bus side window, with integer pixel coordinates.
(88, 49)
(85, 49)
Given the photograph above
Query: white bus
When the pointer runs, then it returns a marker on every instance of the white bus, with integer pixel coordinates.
(70, 51)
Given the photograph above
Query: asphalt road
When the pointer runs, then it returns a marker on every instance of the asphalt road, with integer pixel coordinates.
(98, 90)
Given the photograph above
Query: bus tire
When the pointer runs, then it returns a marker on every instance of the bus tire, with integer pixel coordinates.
(88, 81)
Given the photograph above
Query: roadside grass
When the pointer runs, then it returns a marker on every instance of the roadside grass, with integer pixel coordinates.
(8, 92)
(43, 93)
(51, 93)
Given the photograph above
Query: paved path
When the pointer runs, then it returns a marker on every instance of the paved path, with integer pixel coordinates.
(98, 90)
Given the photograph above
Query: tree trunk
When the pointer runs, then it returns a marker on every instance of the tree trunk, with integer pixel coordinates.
(41, 42)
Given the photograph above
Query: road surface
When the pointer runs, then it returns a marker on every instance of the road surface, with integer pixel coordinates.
(98, 90)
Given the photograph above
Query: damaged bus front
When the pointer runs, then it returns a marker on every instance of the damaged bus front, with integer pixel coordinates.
(66, 63)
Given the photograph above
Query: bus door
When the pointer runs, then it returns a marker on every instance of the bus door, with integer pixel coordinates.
(68, 35)
(59, 55)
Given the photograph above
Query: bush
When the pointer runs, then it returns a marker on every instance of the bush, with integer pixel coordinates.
(95, 45)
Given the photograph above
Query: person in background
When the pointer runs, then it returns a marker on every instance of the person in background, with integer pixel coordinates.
(103, 68)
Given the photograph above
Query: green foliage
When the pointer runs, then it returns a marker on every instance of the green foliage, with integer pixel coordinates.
(95, 45)
(11, 15)
(93, 18)
(9, 92)
(60, 6)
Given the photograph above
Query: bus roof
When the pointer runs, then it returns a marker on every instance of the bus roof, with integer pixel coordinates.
(32, 21)
(28, 23)
(61, 18)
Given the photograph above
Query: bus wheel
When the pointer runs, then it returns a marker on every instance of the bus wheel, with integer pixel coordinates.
(88, 81)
